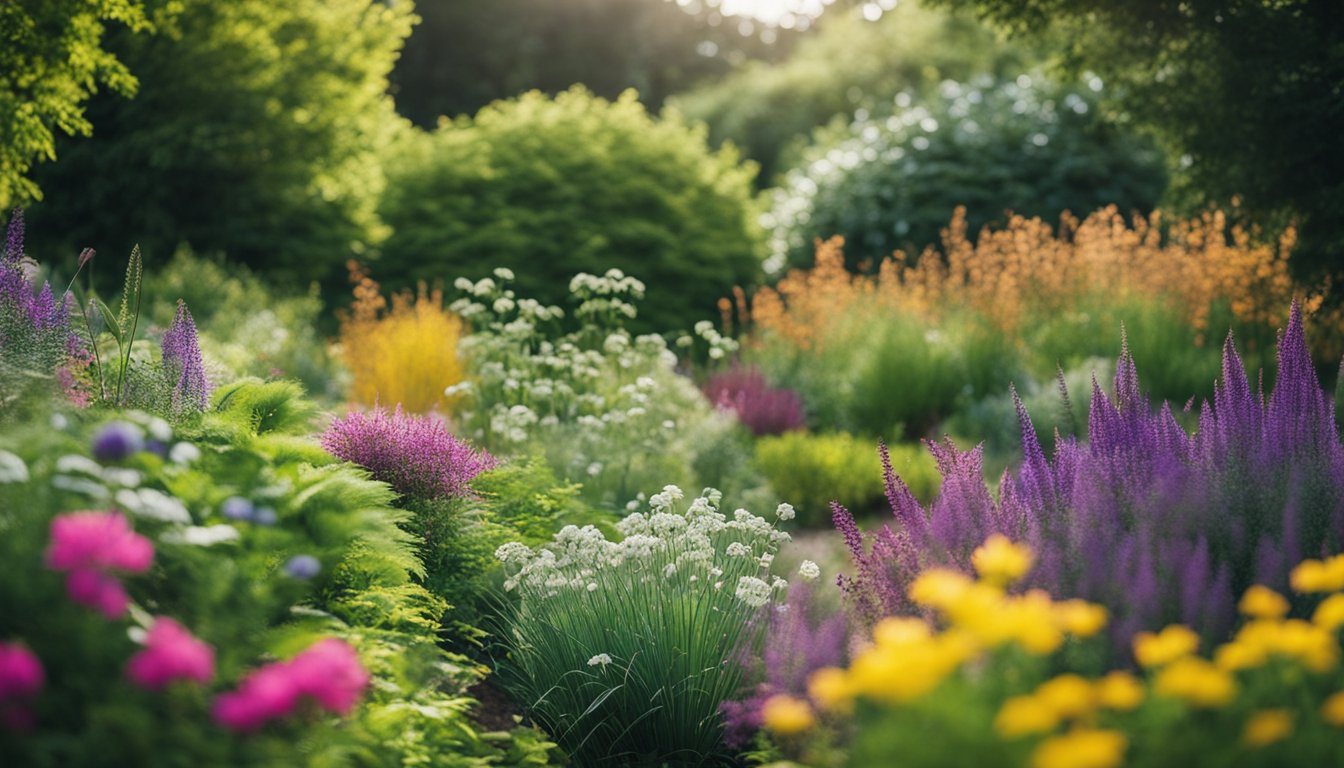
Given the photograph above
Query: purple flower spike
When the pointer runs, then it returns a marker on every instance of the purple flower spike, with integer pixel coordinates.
(182, 361)
(416, 455)
(14, 236)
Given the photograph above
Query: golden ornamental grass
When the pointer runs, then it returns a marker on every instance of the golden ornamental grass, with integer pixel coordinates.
(404, 353)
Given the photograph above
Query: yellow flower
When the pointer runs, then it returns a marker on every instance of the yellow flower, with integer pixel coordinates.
(999, 561)
(1262, 602)
(1068, 696)
(1170, 644)
(900, 675)
(829, 688)
(1239, 655)
(1080, 618)
(1330, 613)
(1196, 682)
(1332, 711)
(1319, 575)
(1081, 749)
(1309, 643)
(1119, 690)
(787, 715)
(1024, 715)
(894, 632)
(1030, 621)
(1267, 726)
(939, 587)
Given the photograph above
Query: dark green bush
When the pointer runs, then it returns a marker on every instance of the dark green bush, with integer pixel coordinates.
(1029, 145)
(553, 187)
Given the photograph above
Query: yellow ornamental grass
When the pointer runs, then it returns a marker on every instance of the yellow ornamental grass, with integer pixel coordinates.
(403, 354)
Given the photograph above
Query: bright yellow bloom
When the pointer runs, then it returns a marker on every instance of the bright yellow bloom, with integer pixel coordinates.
(1080, 618)
(1309, 643)
(1170, 644)
(1239, 655)
(829, 688)
(1319, 575)
(1119, 690)
(787, 715)
(1196, 682)
(1024, 715)
(1330, 613)
(894, 632)
(900, 675)
(1332, 711)
(939, 587)
(1001, 562)
(1267, 726)
(1081, 749)
(1068, 696)
(1028, 620)
(1262, 602)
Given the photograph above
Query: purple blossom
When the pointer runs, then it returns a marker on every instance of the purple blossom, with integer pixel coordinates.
(303, 567)
(117, 441)
(763, 409)
(35, 327)
(416, 455)
(182, 364)
(1157, 524)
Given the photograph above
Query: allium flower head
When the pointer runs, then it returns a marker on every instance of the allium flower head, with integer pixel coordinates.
(171, 653)
(91, 547)
(182, 362)
(416, 455)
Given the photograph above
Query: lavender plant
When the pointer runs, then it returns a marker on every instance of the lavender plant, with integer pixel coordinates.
(182, 365)
(624, 651)
(36, 335)
(1159, 525)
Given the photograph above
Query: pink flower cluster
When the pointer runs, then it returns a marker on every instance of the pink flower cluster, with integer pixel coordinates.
(21, 677)
(328, 673)
(171, 653)
(92, 547)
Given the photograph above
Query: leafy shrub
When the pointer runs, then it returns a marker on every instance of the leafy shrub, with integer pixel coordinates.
(605, 407)
(815, 470)
(403, 355)
(763, 409)
(1157, 525)
(247, 328)
(238, 547)
(890, 183)
(620, 650)
(847, 63)
(1009, 679)
(550, 187)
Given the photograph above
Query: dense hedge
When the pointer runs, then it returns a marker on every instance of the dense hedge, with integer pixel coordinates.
(553, 187)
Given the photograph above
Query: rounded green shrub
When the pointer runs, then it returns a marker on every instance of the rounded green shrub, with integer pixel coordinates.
(810, 471)
(1027, 145)
(552, 187)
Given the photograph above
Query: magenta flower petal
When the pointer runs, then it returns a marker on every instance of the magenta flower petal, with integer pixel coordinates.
(97, 540)
(98, 590)
(171, 653)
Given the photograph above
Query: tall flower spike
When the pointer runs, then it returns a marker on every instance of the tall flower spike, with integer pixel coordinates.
(183, 365)
(14, 237)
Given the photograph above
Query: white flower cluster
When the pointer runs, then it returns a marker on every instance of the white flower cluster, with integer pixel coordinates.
(695, 549)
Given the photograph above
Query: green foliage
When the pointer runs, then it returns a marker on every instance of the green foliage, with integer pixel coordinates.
(52, 57)
(246, 327)
(1029, 146)
(848, 63)
(1244, 91)
(551, 187)
(278, 110)
(462, 56)
(811, 471)
(623, 651)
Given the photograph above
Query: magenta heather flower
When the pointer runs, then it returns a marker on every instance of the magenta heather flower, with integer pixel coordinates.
(328, 673)
(182, 364)
(91, 547)
(21, 678)
(1159, 525)
(416, 455)
(763, 409)
(171, 653)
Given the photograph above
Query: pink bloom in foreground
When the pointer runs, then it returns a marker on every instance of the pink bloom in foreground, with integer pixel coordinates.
(328, 672)
(171, 653)
(91, 546)
(21, 677)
